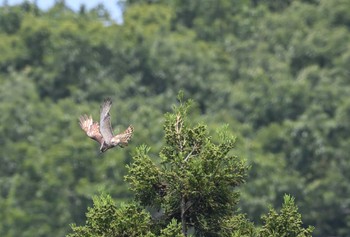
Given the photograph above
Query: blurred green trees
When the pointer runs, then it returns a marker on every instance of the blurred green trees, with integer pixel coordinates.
(276, 71)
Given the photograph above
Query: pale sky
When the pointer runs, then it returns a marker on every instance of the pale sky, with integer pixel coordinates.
(111, 5)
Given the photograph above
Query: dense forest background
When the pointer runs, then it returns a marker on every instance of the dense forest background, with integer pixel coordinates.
(276, 71)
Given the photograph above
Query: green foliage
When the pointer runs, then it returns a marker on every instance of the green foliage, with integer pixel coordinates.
(238, 226)
(145, 184)
(275, 71)
(193, 187)
(172, 230)
(196, 180)
(286, 223)
(106, 219)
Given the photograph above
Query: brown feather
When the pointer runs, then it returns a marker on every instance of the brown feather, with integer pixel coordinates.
(102, 132)
(122, 139)
(91, 128)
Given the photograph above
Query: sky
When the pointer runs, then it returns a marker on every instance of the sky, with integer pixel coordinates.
(111, 5)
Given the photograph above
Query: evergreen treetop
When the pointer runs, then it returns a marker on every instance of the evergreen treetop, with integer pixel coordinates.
(190, 191)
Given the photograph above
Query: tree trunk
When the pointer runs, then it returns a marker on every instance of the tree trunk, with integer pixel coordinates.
(183, 217)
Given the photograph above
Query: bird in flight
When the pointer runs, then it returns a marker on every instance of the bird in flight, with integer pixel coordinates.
(102, 132)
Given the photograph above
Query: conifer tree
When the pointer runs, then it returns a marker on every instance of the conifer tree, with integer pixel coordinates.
(286, 223)
(190, 191)
(196, 179)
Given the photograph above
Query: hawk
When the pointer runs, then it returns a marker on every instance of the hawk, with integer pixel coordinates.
(102, 133)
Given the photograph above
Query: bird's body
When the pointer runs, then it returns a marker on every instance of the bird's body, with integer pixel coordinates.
(102, 132)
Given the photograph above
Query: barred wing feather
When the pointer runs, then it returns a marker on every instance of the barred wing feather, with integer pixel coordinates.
(122, 139)
(90, 127)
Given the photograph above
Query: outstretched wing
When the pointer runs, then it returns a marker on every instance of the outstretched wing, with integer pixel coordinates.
(122, 139)
(90, 127)
(105, 121)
